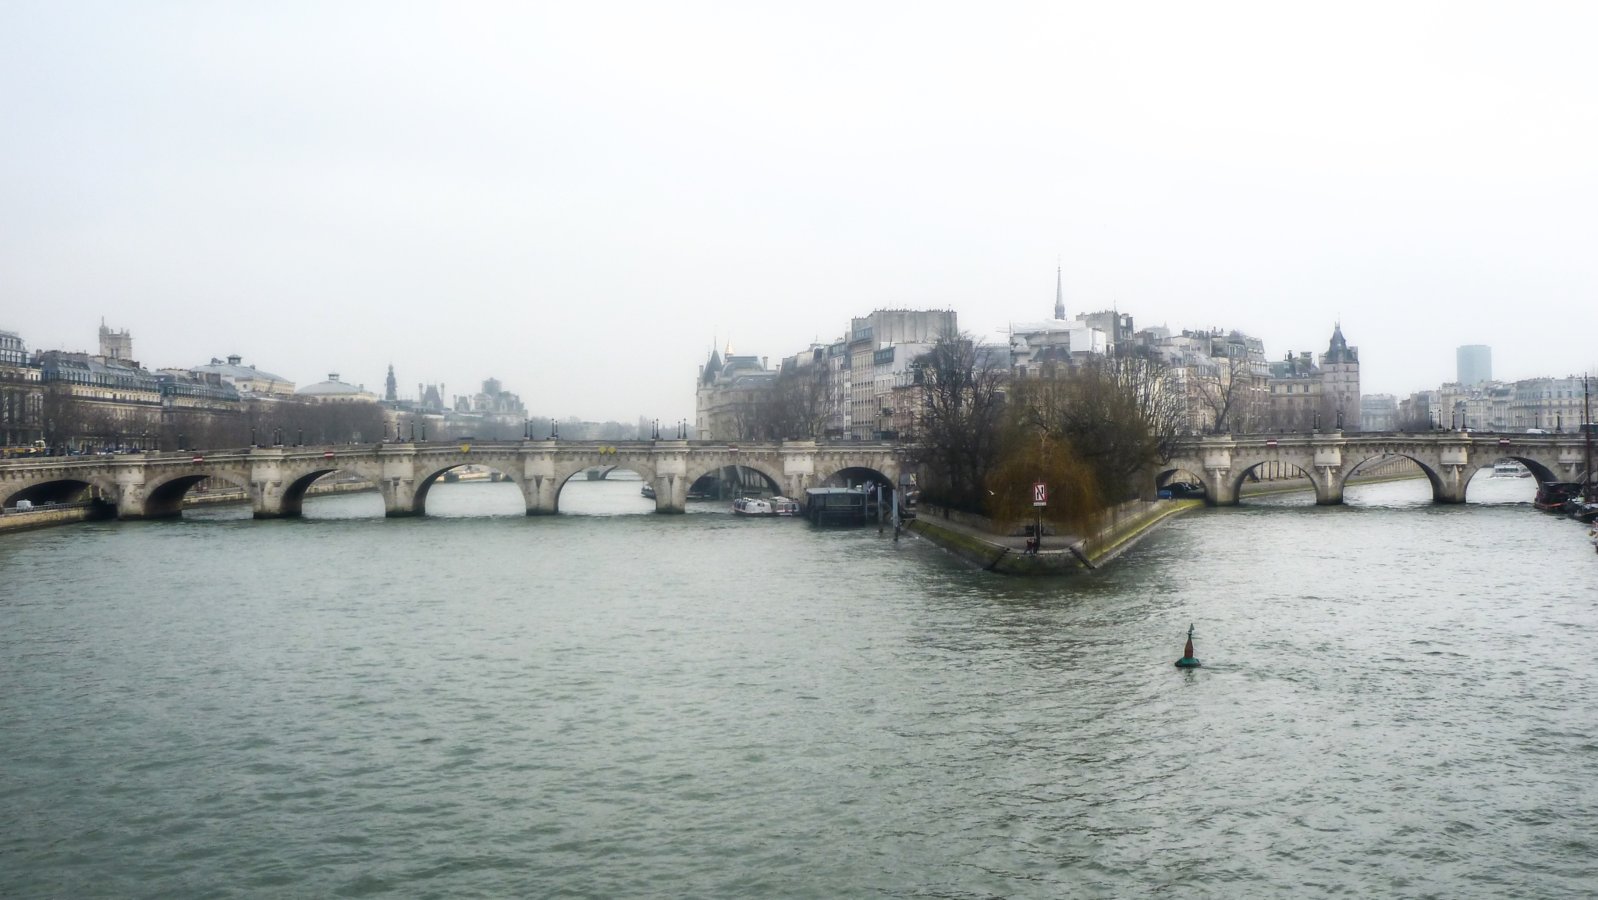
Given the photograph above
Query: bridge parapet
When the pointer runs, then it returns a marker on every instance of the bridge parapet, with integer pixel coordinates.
(276, 477)
(1449, 459)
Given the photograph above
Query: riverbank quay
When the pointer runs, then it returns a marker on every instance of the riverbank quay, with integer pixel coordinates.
(974, 539)
(51, 515)
(232, 494)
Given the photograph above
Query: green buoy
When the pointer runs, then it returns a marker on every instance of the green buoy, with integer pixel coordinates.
(1188, 661)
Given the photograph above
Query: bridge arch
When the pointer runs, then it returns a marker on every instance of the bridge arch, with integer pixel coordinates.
(773, 477)
(565, 473)
(853, 475)
(59, 489)
(163, 496)
(1246, 468)
(292, 500)
(425, 484)
(1539, 470)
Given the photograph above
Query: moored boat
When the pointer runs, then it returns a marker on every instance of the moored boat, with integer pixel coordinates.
(836, 505)
(752, 506)
(1553, 496)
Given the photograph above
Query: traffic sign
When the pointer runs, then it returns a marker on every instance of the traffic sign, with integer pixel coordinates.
(1040, 494)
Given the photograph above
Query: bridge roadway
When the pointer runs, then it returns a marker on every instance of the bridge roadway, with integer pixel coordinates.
(152, 485)
(1448, 458)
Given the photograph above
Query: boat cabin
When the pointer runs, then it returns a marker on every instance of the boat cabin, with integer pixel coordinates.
(836, 506)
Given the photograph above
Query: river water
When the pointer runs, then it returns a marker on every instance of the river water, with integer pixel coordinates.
(1397, 700)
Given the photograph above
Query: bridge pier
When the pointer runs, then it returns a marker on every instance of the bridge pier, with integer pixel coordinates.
(1328, 477)
(399, 497)
(1221, 489)
(539, 493)
(267, 502)
(269, 497)
(671, 494)
(1328, 481)
(1449, 484)
(671, 476)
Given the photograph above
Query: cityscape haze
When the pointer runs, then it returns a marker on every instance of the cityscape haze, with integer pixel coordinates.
(583, 201)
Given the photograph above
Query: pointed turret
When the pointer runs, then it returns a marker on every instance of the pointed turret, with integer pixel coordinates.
(712, 368)
(1338, 350)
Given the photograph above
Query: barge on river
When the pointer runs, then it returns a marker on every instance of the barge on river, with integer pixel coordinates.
(836, 505)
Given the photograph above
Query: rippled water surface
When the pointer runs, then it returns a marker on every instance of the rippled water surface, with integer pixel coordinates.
(1397, 700)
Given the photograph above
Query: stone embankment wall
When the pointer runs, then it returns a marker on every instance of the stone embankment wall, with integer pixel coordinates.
(203, 495)
(46, 516)
(12, 519)
(980, 541)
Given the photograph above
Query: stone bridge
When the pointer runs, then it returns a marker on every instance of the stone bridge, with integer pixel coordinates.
(152, 485)
(1448, 458)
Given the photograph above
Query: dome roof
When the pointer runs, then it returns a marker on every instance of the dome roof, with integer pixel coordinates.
(332, 387)
(233, 369)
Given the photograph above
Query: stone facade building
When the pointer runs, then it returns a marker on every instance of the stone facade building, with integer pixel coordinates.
(1304, 396)
(870, 406)
(21, 398)
(1340, 384)
(730, 396)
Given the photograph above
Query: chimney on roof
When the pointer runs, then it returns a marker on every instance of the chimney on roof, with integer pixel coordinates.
(234, 359)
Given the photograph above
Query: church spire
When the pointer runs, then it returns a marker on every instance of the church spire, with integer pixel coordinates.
(1059, 294)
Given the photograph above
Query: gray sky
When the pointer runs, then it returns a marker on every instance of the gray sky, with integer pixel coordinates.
(577, 198)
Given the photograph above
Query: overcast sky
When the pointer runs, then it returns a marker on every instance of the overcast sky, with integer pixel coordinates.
(580, 198)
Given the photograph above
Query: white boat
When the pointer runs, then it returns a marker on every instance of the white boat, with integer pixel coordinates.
(1508, 468)
(752, 506)
(784, 506)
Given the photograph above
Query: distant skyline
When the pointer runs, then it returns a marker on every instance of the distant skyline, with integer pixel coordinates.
(579, 200)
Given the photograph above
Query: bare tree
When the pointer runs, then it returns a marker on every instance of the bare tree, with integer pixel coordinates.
(795, 407)
(958, 435)
(1120, 415)
(1227, 390)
